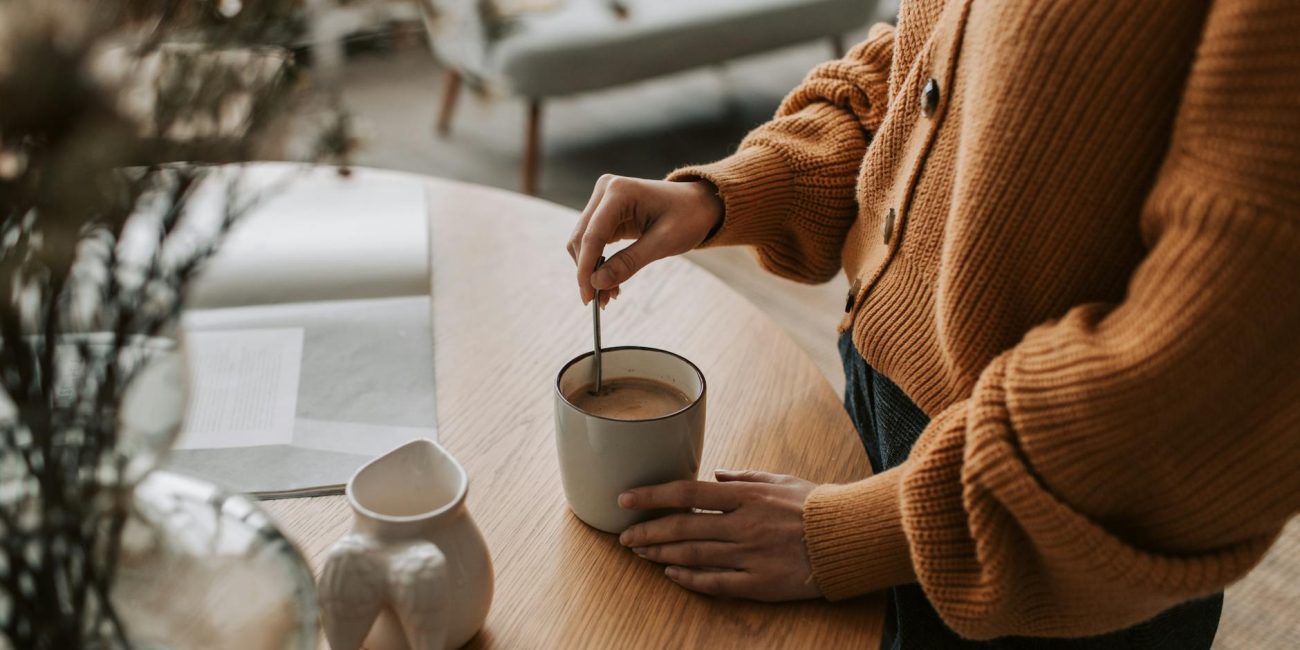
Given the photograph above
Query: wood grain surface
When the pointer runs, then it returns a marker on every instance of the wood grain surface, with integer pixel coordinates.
(506, 317)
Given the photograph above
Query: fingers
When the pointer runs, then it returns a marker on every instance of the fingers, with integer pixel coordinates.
(682, 494)
(693, 554)
(607, 295)
(597, 193)
(725, 583)
(605, 219)
(748, 475)
(617, 269)
(685, 526)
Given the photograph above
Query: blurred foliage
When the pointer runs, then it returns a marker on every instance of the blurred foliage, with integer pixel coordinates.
(113, 114)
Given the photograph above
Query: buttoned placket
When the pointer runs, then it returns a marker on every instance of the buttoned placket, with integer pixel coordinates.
(929, 100)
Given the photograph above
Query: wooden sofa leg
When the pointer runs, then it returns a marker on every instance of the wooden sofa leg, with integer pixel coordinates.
(451, 83)
(532, 146)
(837, 46)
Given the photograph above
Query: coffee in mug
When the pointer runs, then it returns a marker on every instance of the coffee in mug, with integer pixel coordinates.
(630, 398)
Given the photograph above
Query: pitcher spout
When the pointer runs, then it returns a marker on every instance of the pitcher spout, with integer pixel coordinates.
(399, 493)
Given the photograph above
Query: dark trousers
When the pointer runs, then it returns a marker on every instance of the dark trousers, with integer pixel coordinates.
(889, 423)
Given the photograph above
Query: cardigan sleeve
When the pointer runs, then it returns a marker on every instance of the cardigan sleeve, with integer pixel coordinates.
(1127, 457)
(789, 190)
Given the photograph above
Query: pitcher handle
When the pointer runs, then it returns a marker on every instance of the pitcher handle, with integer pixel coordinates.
(419, 590)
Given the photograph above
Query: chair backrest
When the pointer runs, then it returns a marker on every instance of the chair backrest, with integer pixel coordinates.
(463, 32)
(460, 31)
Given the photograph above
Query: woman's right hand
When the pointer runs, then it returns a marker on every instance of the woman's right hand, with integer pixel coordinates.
(664, 217)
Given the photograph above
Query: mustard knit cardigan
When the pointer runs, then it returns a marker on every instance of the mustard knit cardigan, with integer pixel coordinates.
(1073, 234)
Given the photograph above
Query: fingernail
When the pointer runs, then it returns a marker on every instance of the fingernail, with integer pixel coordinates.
(603, 279)
(640, 550)
(672, 572)
(626, 500)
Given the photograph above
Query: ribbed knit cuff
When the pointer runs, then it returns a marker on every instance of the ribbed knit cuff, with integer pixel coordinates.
(756, 187)
(855, 536)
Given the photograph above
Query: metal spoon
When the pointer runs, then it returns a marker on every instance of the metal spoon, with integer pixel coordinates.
(595, 328)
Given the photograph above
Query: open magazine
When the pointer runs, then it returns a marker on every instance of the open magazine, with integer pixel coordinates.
(290, 400)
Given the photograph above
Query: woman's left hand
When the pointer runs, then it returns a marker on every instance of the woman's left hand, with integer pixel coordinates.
(749, 546)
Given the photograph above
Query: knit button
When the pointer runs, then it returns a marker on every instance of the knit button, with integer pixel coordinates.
(887, 229)
(853, 296)
(930, 98)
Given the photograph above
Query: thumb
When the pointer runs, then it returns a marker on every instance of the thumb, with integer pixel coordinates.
(617, 269)
(747, 475)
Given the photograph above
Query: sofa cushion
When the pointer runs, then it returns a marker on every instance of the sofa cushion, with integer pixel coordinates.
(317, 237)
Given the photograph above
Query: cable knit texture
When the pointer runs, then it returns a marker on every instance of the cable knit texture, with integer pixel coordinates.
(1079, 252)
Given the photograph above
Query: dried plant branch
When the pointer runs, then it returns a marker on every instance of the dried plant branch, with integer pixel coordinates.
(115, 112)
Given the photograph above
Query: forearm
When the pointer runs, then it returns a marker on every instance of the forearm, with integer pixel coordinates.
(1106, 470)
(1114, 463)
(790, 188)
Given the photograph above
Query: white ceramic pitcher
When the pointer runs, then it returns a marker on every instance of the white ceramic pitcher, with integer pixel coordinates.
(414, 573)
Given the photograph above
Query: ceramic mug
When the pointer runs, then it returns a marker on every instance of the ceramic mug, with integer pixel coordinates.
(601, 458)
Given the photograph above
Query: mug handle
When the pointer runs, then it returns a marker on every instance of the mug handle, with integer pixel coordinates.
(419, 591)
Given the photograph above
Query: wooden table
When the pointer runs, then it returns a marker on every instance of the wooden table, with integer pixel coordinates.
(506, 316)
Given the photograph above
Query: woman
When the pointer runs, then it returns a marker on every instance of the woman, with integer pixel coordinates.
(1072, 341)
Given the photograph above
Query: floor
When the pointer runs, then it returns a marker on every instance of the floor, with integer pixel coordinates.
(647, 129)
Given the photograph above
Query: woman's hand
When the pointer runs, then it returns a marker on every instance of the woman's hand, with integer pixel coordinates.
(750, 546)
(665, 218)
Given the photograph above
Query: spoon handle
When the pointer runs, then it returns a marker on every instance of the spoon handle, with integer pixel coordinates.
(595, 328)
